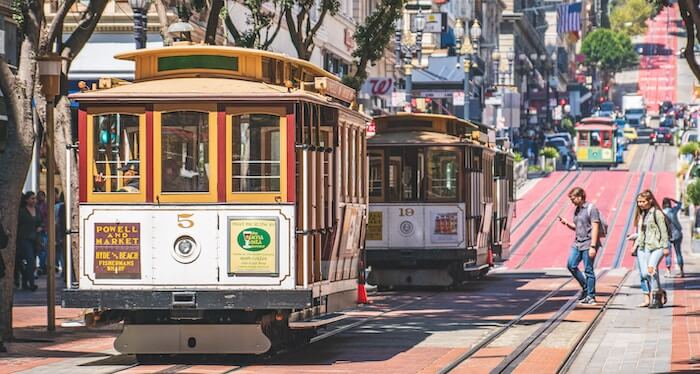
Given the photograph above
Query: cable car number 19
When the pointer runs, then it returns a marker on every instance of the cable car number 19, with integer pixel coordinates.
(406, 212)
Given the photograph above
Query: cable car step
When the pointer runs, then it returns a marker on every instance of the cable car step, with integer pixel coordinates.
(318, 321)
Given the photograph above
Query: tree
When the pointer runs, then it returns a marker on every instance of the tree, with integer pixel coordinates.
(302, 23)
(690, 13)
(372, 38)
(630, 17)
(21, 89)
(263, 21)
(608, 51)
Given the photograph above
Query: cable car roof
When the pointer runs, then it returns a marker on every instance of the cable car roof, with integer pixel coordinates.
(158, 62)
(429, 117)
(594, 128)
(413, 138)
(597, 121)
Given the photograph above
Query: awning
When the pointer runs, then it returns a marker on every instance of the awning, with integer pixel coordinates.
(96, 60)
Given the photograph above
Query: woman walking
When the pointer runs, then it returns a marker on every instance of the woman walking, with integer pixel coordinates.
(671, 209)
(28, 228)
(650, 245)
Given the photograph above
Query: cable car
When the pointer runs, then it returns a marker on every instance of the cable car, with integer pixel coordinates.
(431, 195)
(596, 144)
(223, 198)
(504, 204)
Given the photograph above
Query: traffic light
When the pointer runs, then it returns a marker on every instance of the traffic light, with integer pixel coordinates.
(562, 102)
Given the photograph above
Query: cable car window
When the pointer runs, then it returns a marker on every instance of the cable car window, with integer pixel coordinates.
(583, 139)
(393, 178)
(607, 139)
(116, 153)
(442, 175)
(185, 152)
(412, 176)
(376, 175)
(256, 153)
(595, 139)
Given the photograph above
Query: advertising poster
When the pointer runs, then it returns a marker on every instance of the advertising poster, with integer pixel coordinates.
(253, 246)
(374, 226)
(117, 251)
(445, 228)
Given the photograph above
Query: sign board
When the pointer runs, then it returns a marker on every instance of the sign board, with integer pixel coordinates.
(334, 89)
(117, 251)
(444, 228)
(434, 22)
(371, 129)
(252, 246)
(557, 113)
(352, 222)
(374, 226)
(458, 98)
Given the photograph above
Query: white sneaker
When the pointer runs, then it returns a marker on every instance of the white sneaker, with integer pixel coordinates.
(667, 273)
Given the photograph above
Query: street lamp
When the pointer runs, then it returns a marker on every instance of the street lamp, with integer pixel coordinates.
(405, 52)
(546, 65)
(181, 30)
(495, 59)
(140, 10)
(465, 51)
(511, 56)
(50, 78)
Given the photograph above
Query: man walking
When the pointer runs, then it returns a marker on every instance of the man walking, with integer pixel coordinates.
(587, 227)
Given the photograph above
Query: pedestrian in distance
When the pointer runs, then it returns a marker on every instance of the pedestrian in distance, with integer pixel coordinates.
(671, 208)
(587, 225)
(28, 230)
(650, 244)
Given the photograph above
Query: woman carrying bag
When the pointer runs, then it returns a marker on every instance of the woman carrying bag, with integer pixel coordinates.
(650, 245)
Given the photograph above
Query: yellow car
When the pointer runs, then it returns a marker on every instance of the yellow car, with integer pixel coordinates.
(630, 134)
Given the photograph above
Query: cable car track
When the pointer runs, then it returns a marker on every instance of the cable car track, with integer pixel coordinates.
(528, 231)
(542, 199)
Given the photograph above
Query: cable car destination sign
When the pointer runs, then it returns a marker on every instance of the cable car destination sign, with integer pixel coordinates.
(117, 250)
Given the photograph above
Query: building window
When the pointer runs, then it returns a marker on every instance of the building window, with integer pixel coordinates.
(335, 65)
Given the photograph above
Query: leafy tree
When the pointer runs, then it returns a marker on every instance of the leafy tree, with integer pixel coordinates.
(690, 148)
(302, 25)
(22, 94)
(608, 51)
(372, 38)
(690, 13)
(693, 192)
(630, 17)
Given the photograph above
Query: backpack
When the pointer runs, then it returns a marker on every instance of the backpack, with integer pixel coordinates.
(667, 222)
(603, 227)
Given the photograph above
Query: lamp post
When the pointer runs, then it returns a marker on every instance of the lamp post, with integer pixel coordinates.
(475, 33)
(495, 59)
(404, 52)
(465, 51)
(511, 56)
(140, 10)
(50, 77)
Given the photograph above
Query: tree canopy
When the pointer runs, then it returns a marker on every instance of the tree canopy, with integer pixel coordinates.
(630, 17)
(608, 50)
(372, 37)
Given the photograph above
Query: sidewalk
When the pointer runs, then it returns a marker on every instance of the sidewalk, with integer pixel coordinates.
(641, 340)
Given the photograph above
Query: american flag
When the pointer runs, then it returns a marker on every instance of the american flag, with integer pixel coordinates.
(569, 18)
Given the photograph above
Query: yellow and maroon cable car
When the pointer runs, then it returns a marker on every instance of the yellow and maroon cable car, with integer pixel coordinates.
(223, 198)
(431, 194)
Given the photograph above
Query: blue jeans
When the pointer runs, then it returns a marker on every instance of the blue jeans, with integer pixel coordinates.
(588, 282)
(642, 283)
(679, 253)
(650, 259)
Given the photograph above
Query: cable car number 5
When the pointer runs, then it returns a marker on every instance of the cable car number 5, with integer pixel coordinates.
(183, 220)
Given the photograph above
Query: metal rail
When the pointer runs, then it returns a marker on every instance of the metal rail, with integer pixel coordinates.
(571, 356)
(494, 335)
(539, 202)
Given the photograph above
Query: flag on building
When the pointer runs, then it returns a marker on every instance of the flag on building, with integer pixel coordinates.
(569, 18)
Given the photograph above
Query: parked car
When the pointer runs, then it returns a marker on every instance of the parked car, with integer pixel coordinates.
(689, 136)
(667, 121)
(563, 135)
(661, 135)
(567, 156)
(635, 117)
(631, 134)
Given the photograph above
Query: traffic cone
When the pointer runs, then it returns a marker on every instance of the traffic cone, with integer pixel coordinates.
(489, 257)
(361, 294)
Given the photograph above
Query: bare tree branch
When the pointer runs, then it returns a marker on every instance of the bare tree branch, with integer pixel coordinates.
(232, 29)
(213, 21)
(57, 23)
(268, 39)
(164, 22)
(82, 33)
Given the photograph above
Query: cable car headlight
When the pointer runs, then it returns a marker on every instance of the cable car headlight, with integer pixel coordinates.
(185, 250)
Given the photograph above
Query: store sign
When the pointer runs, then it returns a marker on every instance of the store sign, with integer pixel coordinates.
(458, 98)
(444, 228)
(349, 40)
(374, 226)
(117, 251)
(379, 86)
(253, 246)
